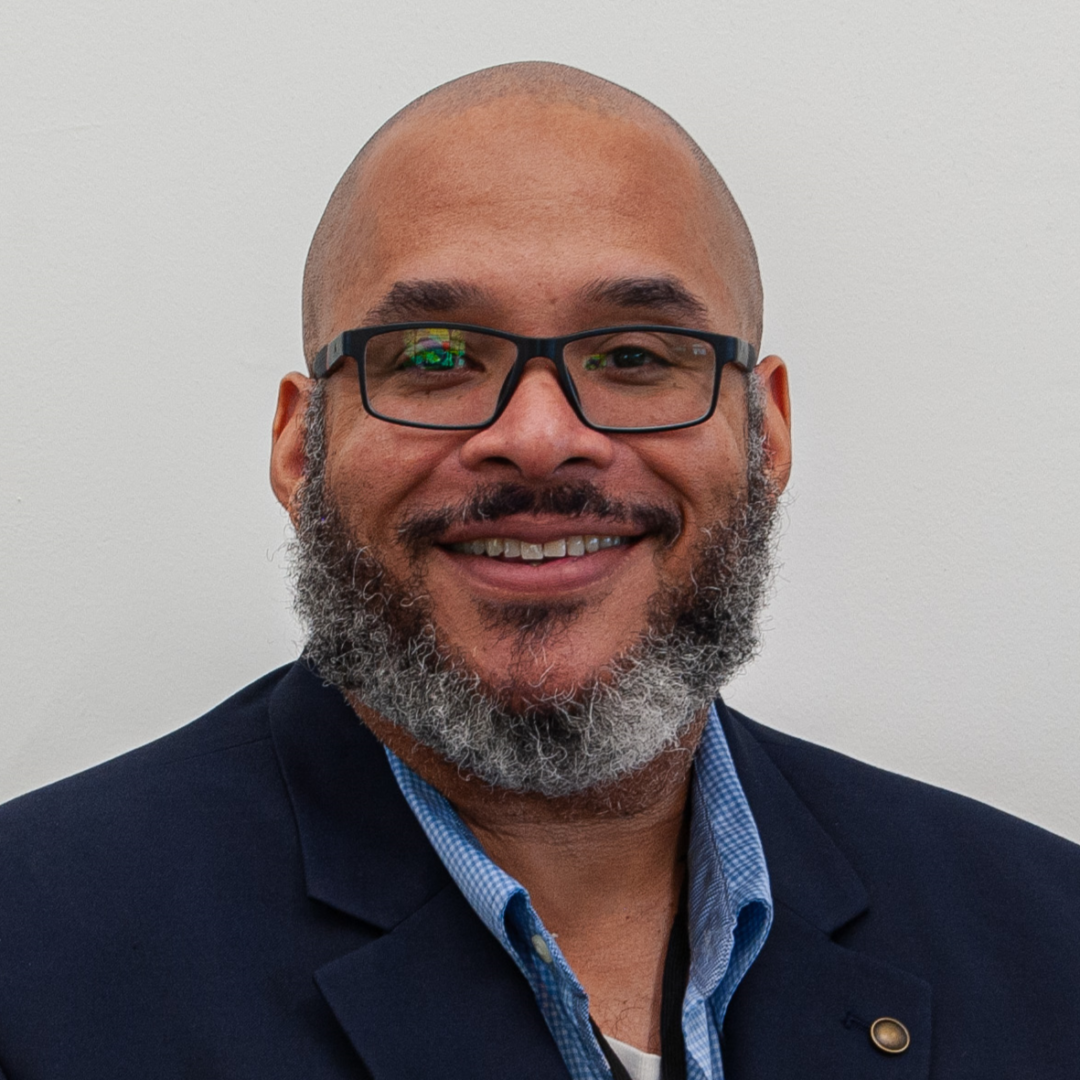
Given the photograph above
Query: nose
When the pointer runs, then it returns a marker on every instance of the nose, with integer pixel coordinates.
(538, 432)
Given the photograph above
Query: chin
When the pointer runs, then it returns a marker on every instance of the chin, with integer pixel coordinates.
(537, 655)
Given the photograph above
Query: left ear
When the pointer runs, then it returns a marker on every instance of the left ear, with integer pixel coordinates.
(771, 373)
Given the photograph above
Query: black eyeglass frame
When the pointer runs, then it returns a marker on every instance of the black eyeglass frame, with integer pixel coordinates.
(353, 343)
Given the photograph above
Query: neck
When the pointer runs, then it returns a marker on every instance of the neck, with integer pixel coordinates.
(603, 868)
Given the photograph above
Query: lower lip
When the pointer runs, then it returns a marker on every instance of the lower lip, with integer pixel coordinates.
(524, 578)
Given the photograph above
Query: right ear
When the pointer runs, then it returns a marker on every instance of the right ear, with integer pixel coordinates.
(287, 450)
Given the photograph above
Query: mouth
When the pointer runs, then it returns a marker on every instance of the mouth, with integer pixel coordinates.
(509, 548)
(513, 544)
(510, 522)
(539, 556)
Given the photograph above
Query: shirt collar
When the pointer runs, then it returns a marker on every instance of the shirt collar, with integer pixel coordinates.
(729, 903)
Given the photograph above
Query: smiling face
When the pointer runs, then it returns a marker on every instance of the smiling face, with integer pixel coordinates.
(541, 546)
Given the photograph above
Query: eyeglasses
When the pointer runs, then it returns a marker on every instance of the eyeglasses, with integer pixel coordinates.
(458, 377)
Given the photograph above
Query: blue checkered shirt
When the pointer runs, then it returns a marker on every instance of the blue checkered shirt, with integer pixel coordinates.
(730, 910)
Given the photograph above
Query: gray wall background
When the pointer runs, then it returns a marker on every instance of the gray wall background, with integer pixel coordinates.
(910, 173)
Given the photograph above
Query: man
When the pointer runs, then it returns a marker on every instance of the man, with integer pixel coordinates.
(532, 471)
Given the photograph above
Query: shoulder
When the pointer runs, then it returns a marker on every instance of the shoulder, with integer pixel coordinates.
(955, 886)
(894, 897)
(124, 826)
(856, 801)
(162, 896)
(119, 786)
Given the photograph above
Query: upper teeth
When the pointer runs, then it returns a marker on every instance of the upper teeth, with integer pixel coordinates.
(509, 548)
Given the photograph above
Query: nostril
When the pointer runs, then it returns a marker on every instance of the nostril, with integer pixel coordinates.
(536, 442)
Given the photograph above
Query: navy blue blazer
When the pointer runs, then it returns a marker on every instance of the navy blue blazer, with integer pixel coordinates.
(250, 897)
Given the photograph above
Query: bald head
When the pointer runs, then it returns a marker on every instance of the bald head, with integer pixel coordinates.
(518, 93)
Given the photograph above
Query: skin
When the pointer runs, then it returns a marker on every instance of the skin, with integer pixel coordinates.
(470, 198)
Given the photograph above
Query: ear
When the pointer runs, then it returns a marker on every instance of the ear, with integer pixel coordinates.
(287, 451)
(772, 374)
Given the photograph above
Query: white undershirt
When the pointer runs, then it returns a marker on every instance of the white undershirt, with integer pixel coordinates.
(639, 1065)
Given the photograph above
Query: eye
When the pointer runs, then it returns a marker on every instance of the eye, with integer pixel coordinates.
(431, 351)
(623, 358)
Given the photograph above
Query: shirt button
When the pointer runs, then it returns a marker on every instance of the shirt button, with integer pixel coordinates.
(540, 945)
(889, 1035)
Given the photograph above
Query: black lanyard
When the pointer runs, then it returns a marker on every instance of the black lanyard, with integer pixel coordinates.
(673, 990)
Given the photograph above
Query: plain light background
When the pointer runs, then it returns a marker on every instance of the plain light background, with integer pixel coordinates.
(909, 171)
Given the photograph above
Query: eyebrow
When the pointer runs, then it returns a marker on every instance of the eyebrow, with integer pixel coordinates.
(407, 300)
(666, 295)
(410, 300)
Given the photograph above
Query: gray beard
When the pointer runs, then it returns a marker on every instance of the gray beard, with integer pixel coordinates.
(373, 636)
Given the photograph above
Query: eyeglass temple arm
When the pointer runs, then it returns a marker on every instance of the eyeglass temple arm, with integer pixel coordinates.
(745, 355)
(328, 358)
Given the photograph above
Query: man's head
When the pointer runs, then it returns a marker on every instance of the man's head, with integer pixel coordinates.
(510, 115)
(542, 201)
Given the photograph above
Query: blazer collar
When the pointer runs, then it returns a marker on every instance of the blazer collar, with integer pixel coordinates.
(364, 852)
(435, 994)
(807, 872)
(806, 1005)
(353, 820)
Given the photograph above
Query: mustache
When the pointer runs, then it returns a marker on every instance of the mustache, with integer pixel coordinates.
(492, 502)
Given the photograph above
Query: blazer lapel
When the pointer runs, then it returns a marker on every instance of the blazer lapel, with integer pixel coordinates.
(806, 1005)
(364, 852)
(438, 997)
(431, 993)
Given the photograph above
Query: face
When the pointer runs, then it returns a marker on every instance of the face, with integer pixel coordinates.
(533, 219)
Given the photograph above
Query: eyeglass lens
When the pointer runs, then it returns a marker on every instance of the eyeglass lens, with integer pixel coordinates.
(627, 379)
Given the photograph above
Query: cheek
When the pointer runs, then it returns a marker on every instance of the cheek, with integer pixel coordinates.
(705, 467)
(375, 471)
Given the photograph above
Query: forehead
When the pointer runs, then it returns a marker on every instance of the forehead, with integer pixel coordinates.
(530, 197)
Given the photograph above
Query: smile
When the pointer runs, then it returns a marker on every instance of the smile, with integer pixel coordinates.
(506, 547)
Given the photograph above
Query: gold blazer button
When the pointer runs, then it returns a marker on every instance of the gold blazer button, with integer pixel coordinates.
(889, 1035)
